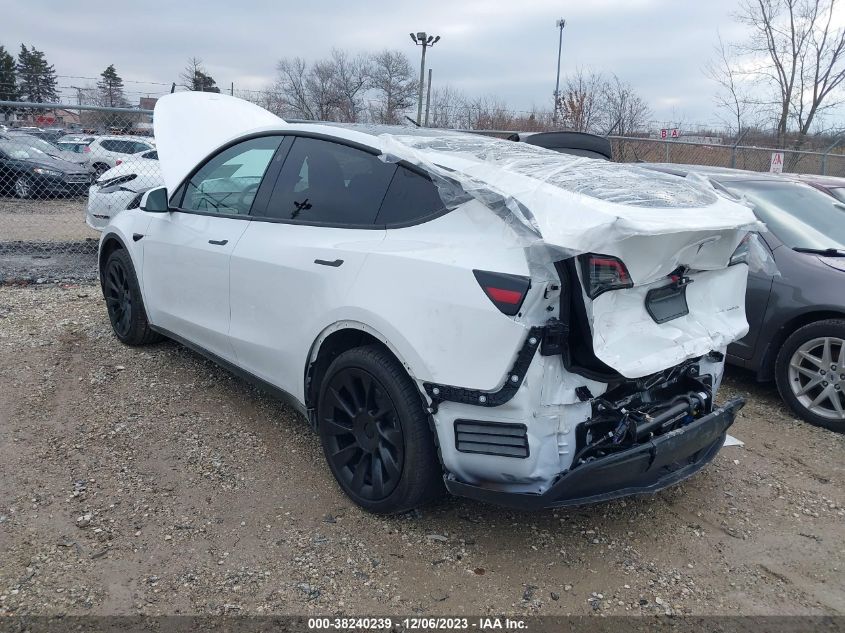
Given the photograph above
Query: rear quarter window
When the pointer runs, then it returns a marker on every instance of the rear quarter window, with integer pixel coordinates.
(411, 197)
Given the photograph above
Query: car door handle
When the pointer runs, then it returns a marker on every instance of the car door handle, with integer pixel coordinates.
(218, 242)
(324, 262)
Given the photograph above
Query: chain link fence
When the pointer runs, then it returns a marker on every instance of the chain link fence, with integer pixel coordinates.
(66, 170)
(649, 150)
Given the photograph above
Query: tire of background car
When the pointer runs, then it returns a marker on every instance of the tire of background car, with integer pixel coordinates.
(811, 380)
(375, 433)
(23, 187)
(100, 169)
(124, 302)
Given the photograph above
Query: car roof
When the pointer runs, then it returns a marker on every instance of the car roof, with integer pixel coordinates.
(122, 137)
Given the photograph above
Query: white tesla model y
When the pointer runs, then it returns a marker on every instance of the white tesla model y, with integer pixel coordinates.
(447, 310)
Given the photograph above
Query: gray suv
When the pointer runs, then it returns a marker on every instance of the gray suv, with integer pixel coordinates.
(796, 318)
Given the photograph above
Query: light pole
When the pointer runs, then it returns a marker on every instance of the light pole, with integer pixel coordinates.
(426, 41)
(560, 24)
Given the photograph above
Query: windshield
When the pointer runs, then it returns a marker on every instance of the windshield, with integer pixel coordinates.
(799, 215)
(20, 152)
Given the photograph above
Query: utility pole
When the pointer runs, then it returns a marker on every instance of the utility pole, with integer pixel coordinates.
(560, 24)
(427, 97)
(426, 41)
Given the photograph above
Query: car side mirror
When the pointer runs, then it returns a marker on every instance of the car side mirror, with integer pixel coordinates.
(155, 201)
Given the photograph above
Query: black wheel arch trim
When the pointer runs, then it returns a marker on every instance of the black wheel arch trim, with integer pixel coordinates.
(107, 237)
(513, 380)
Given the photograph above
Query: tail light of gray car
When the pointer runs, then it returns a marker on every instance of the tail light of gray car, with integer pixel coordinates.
(602, 273)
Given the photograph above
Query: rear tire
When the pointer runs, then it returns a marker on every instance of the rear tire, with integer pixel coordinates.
(124, 303)
(810, 373)
(375, 433)
(100, 169)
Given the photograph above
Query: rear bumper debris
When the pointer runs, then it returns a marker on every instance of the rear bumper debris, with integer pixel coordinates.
(643, 469)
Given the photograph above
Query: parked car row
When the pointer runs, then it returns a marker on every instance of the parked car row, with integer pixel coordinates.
(31, 166)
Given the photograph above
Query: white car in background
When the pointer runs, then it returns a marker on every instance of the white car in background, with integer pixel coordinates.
(515, 324)
(121, 187)
(104, 152)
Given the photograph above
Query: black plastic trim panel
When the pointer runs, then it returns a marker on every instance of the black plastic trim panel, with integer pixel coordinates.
(443, 393)
(502, 439)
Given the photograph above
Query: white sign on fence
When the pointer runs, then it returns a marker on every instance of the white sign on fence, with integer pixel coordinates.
(776, 166)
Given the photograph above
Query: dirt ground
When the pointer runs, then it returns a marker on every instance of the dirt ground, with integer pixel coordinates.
(45, 220)
(150, 481)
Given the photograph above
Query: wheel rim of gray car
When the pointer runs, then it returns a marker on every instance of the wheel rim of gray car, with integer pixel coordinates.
(817, 376)
(365, 439)
(22, 187)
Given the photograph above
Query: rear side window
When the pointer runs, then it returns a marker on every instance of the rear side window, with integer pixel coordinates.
(410, 197)
(76, 148)
(322, 181)
(113, 145)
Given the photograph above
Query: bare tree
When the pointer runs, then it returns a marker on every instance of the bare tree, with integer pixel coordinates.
(732, 97)
(446, 105)
(580, 101)
(292, 90)
(320, 88)
(805, 59)
(350, 81)
(624, 110)
(393, 84)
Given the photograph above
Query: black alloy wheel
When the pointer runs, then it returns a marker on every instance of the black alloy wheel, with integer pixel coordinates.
(375, 432)
(118, 297)
(124, 303)
(365, 443)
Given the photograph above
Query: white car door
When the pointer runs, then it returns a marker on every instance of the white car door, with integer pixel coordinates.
(299, 257)
(187, 250)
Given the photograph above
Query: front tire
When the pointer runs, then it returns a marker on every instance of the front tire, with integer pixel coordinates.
(375, 433)
(23, 188)
(810, 373)
(124, 302)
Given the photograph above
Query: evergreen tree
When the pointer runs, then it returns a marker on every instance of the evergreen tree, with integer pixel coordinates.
(8, 81)
(36, 78)
(194, 77)
(110, 88)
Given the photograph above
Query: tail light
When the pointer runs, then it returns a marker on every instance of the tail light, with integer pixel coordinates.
(740, 255)
(602, 273)
(86, 150)
(507, 292)
(117, 162)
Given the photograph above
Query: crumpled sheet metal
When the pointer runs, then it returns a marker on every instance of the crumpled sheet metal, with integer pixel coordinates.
(629, 340)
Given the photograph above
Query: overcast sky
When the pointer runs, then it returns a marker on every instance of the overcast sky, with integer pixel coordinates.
(506, 48)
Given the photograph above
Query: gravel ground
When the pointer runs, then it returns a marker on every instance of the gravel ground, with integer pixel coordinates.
(150, 481)
(58, 220)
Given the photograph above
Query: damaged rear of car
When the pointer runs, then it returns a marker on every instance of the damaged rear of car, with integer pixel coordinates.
(634, 288)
